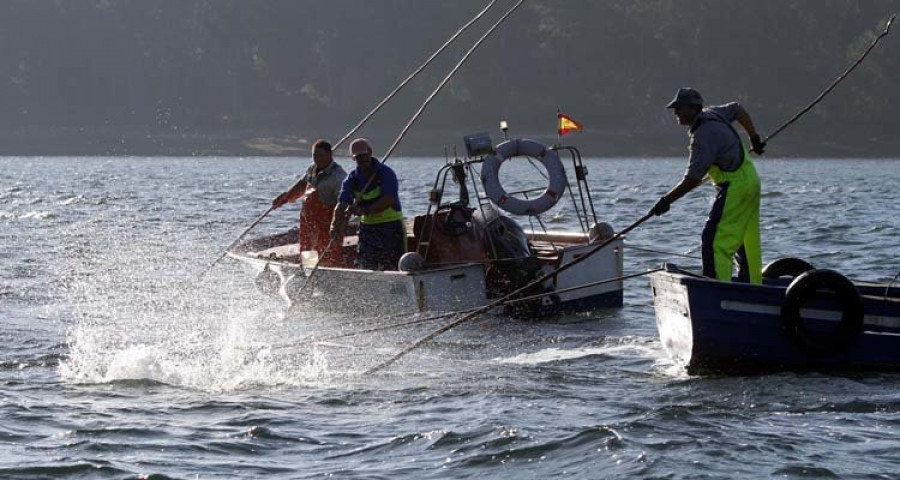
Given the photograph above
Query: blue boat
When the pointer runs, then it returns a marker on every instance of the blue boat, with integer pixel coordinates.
(816, 320)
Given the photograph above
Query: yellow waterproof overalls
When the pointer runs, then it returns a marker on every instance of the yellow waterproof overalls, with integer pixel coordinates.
(733, 224)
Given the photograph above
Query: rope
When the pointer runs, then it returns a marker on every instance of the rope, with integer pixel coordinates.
(579, 287)
(539, 170)
(446, 79)
(506, 297)
(316, 266)
(833, 84)
(235, 242)
(360, 124)
(382, 328)
(459, 312)
(674, 254)
(888, 287)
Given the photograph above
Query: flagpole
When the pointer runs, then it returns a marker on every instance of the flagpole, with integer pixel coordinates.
(558, 120)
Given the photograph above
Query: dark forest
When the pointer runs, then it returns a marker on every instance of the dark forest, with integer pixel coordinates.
(183, 77)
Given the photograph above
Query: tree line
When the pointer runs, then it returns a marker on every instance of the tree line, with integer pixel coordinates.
(202, 67)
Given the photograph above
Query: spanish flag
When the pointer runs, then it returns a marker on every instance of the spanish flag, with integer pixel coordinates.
(566, 124)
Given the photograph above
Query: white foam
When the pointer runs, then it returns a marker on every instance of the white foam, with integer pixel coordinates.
(548, 355)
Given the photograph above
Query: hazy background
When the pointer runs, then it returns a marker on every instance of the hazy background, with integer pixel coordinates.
(175, 77)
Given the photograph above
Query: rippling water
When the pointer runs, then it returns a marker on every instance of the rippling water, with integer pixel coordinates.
(117, 362)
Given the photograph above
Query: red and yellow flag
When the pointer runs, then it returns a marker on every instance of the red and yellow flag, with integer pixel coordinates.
(566, 124)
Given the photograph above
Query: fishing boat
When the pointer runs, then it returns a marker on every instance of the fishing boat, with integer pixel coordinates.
(464, 252)
(799, 318)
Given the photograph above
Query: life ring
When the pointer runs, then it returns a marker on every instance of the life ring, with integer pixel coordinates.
(490, 177)
(786, 267)
(801, 290)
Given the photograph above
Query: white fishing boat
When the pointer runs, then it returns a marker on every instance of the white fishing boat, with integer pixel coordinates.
(463, 253)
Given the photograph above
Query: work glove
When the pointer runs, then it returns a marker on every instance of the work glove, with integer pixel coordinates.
(757, 146)
(660, 207)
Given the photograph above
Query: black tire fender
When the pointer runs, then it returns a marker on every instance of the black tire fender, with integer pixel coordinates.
(786, 267)
(803, 289)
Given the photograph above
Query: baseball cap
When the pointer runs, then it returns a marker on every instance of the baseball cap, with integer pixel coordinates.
(360, 145)
(686, 96)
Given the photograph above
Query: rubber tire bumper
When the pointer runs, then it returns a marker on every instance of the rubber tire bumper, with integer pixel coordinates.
(786, 267)
(801, 291)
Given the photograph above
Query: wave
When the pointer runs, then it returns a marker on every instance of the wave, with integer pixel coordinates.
(621, 347)
(38, 215)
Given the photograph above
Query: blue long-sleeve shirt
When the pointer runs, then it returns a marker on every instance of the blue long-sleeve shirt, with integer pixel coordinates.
(384, 177)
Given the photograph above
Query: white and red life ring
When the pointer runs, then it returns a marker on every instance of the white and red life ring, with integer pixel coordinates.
(490, 177)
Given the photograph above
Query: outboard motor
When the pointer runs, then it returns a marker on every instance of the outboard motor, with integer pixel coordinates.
(506, 239)
(513, 264)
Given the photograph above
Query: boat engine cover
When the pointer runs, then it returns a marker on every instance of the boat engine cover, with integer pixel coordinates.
(503, 234)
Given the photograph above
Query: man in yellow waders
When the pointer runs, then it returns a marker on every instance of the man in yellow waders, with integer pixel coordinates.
(732, 228)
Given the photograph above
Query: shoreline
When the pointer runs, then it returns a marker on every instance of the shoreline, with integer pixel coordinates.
(671, 143)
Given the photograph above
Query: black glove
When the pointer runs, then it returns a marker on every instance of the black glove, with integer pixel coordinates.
(660, 207)
(757, 146)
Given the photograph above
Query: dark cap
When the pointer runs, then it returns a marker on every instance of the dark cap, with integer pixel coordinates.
(686, 96)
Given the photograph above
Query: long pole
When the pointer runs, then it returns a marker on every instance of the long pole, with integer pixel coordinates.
(839, 79)
(427, 101)
(364, 120)
(447, 79)
(481, 310)
(235, 242)
(414, 74)
(506, 297)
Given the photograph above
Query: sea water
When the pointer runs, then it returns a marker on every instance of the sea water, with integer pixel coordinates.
(120, 358)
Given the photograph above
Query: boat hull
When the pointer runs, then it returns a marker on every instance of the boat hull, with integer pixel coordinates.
(452, 288)
(708, 326)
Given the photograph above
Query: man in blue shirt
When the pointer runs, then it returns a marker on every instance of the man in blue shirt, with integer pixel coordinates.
(732, 228)
(371, 192)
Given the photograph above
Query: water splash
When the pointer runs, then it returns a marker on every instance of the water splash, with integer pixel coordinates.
(138, 315)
